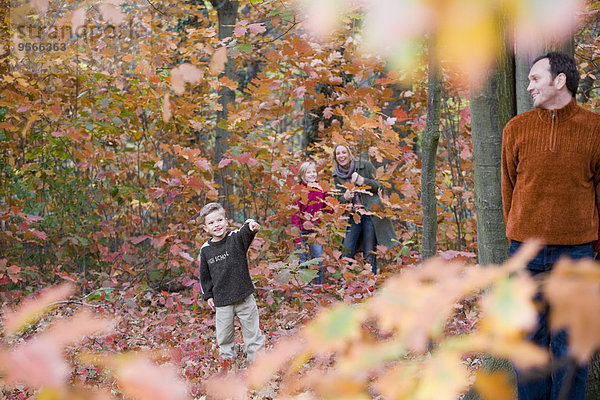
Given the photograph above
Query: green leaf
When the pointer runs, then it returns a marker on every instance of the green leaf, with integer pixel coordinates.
(307, 275)
(102, 293)
(245, 48)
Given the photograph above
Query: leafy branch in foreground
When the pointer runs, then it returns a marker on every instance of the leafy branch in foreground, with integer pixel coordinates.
(395, 344)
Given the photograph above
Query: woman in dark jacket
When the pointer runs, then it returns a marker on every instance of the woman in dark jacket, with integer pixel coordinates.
(374, 230)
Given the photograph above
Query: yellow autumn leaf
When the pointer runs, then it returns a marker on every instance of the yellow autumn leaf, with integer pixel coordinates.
(507, 309)
(334, 329)
(494, 386)
(443, 377)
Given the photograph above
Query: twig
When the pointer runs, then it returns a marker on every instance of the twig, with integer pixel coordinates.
(153, 6)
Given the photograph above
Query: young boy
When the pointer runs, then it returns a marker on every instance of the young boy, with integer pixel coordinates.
(226, 282)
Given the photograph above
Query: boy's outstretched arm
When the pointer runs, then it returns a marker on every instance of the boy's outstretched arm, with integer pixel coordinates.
(253, 225)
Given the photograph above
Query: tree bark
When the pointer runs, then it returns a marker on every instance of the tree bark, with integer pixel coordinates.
(429, 145)
(227, 16)
(491, 109)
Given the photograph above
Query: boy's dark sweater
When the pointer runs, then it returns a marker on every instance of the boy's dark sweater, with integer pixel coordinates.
(224, 273)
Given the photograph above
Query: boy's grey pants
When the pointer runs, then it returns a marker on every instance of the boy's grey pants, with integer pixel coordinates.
(247, 313)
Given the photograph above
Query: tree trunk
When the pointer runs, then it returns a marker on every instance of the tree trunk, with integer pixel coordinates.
(523, 62)
(429, 145)
(227, 15)
(593, 378)
(491, 109)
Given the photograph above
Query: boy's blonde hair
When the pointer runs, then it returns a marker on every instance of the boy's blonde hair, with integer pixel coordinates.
(208, 209)
(303, 168)
(350, 152)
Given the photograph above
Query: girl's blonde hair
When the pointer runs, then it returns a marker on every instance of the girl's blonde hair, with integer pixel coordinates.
(303, 168)
(350, 152)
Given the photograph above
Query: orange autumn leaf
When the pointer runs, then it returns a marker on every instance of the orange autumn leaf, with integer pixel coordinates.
(218, 61)
(572, 291)
(268, 363)
(78, 19)
(167, 110)
(493, 386)
(41, 6)
(111, 13)
(31, 310)
(182, 74)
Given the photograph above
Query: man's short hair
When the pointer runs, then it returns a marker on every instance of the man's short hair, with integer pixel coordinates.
(561, 63)
(210, 208)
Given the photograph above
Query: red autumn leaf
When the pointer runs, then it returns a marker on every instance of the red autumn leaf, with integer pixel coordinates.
(239, 31)
(39, 234)
(202, 164)
(159, 242)
(24, 108)
(31, 310)
(245, 158)
(400, 114)
(139, 239)
(465, 153)
(227, 387)
(257, 28)
(37, 363)
(225, 162)
(197, 287)
(56, 110)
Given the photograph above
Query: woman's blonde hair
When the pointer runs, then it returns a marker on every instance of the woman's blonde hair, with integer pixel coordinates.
(350, 153)
(303, 168)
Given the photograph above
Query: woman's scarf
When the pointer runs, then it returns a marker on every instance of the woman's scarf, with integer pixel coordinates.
(343, 172)
(347, 175)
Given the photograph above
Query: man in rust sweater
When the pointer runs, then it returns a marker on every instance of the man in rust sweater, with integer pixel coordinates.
(550, 191)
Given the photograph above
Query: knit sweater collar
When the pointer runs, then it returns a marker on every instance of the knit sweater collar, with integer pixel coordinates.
(560, 114)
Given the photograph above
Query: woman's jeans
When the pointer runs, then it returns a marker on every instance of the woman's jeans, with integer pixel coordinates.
(316, 250)
(369, 240)
(549, 387)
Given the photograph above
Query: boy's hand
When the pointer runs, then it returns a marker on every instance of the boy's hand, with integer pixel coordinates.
(254, 226)
(211, 303)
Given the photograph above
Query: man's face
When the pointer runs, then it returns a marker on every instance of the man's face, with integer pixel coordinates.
(542, 85)
(216, 224)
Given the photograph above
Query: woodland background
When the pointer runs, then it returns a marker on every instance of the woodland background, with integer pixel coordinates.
(111, 145)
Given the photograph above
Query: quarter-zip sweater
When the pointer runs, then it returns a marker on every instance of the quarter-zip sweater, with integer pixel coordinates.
(551, 176)
(224, 273)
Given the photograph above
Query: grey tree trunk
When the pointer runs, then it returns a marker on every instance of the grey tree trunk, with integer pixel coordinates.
(227, 16)
(491, 109)
(523, 61)
(429, 145)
